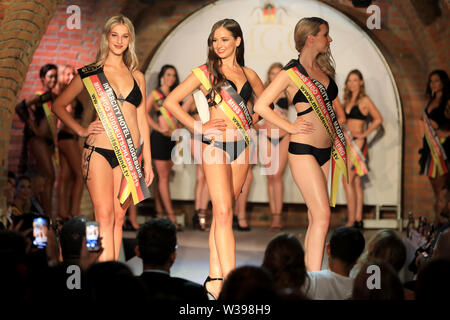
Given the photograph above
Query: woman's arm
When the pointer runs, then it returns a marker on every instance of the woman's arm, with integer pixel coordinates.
(59, 108)
(172, 103)
(262, 106)
(149, 105)
(376, 116)
(144, 130)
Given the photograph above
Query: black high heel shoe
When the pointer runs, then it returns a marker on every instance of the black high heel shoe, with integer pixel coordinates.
(358, 225)
(239, 228)
(199, 220)
(208, 279)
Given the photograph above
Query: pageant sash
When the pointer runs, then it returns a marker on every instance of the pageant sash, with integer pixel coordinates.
(116, 128)
(229, 101)
(436, 163)
(317, 97)
(355, 154)
(47, 106)
(159, 98)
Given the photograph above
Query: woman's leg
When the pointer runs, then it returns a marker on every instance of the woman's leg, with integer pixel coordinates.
(62, 186)
(225, 182)
(241, 203)
(132, 215)
(157, 198)
(100, 184)
(163, 168)
(119, 212)
(311, 179)
(71, 151)
(350, 195)
(359, 198)
(44, 162)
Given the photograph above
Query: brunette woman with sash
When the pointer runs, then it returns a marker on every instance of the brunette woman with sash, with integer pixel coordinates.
(228, 85)
(436, 142)
(277, 141)
(112, 150)
(309, 82)
(358, 107)
(160, 137)
(40, 131)
(70, 180)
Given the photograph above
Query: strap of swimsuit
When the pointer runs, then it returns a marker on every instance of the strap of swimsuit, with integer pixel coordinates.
(92, 149)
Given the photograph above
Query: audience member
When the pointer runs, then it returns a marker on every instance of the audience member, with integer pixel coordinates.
(285, 260)
(377, 280)
(248, 284)
(343, 250)
(157, 243)
(433, 280)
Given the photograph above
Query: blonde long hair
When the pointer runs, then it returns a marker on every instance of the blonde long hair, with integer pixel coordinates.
(311, 26)
(348, 93)
(129, 56)
(272, 66)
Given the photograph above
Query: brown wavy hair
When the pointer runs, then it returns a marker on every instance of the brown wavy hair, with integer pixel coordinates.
(272, 66)
(311, 26)
(362, 88)
(214, 62)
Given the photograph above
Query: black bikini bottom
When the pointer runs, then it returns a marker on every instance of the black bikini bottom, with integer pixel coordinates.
(322, 155)
(108, 154)
(64, 135)
(233, 148)
(275, 141)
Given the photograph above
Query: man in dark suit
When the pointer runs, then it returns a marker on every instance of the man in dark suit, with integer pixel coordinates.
(157, 243)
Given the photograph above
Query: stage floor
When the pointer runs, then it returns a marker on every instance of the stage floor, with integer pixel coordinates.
(192, 261)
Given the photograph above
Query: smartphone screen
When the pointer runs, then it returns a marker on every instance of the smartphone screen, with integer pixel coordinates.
(92, 233)
(40, 229)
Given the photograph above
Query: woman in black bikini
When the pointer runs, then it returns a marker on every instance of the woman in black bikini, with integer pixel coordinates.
(357, 107)
(438, 112)
(278, 144)
(160, 137)
(71, 178)
(38, 135)
(225, 154)
(117, 63)
(310, 143)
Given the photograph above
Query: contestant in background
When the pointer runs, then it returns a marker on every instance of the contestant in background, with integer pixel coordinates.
(70, 180)
(309, 82)
(40, 132)
(358, 110)
(435, 153)
(225, 149)
(276, 142)
(117, 90)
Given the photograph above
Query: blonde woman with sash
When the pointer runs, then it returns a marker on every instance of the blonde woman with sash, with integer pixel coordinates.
(112, 150)
(309, 83)
(228, 85)
(357, 107)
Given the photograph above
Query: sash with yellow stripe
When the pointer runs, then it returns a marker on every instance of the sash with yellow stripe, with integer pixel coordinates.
(47, 106)
(229, 101)
(116, 128)
(436, 163)
(355, 154)
(159, 98)
(317, 96)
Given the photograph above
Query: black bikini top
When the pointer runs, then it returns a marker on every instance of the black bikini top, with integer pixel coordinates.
(437, 115)
(332, 89)
(246, 90)
(134, 97)
(355, 113)
(283, 103)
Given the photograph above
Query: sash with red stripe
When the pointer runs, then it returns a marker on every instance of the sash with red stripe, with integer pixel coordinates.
(229, 101)
(436, 162)
(317, 96)
(119, 135)
(47, 106)
(159, 98)
(356, 156)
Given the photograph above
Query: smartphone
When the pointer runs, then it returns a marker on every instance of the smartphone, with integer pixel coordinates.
(40, 228)
(92, 234)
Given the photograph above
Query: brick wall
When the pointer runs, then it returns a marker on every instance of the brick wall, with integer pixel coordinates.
(411, 48)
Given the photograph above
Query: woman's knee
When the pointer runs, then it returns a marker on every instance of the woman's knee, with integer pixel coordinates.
(105, 217)
(320, 220)
(223, 214)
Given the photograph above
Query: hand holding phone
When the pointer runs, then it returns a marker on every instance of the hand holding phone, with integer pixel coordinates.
(40, 229)
(92, 235)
